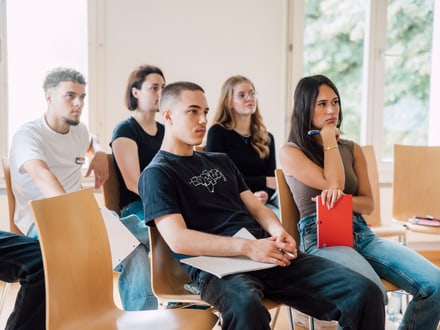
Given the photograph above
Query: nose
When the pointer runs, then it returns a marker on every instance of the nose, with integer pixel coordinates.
(77, 102)
(203, 119)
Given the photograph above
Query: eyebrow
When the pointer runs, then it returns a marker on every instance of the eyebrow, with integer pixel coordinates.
(192, 106)
(74, 93)
(335, 98)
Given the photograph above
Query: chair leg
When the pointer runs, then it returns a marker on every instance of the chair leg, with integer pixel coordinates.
(3, 295)
(274, 318)
(290, 316)
(311, 323)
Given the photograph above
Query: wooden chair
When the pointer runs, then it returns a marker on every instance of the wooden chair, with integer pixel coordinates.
(110, 188)
(289, 216)
(168, 279)
(78, 271)
(415, 185)
(374, 219)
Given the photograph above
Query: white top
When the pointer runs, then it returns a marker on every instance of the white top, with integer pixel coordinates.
(63, 153)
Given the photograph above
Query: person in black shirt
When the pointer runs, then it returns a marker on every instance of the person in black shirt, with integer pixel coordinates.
(198, 201)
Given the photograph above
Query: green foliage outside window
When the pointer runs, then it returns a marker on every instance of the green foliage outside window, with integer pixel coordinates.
(334, 46)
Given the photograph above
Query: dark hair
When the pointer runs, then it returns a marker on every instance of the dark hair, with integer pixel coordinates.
(171, 92)
(57, 75)
(305, 96)
(136, 79)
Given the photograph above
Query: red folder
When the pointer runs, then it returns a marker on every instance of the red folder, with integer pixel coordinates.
(335, 225)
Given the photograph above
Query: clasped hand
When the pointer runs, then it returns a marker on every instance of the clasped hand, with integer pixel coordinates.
(273, 250)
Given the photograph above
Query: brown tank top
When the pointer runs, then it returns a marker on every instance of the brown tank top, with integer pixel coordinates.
(302, 193)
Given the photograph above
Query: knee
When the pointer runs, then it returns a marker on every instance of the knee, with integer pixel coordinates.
(369, 290)
(430, 289)
(246, 312)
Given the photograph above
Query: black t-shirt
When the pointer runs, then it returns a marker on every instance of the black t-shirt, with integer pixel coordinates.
(245, 157)
(205, 188)
(147, 145)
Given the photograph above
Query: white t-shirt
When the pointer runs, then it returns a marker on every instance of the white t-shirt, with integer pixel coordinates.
(63, 153)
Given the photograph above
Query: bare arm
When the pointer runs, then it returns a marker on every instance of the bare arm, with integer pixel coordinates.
(191, 242)
(125, 152)
(43, 178)
(98, 163)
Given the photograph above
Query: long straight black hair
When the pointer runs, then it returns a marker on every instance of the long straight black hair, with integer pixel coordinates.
(306, 92)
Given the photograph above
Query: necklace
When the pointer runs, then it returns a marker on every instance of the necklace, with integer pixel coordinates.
(245, 137)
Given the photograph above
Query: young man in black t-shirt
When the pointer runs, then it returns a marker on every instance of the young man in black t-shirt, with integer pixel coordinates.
(199, 200)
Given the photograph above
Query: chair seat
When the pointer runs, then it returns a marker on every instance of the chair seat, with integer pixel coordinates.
(158, 319)
(388, 231)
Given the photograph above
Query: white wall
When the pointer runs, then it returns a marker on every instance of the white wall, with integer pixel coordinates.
(197, 40)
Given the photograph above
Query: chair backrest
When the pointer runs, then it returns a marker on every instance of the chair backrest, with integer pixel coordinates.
(374, 218)
(289, 214)
(11, 198)
(76, 257)
(416, 181)
(168, 277)
(110, 188)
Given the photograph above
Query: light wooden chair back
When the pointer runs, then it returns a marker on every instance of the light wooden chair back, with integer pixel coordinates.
(289, 214)
(374, 219)
(168, 278)
(11, 198)
(415, 184)
(110, 188)
(78, 271)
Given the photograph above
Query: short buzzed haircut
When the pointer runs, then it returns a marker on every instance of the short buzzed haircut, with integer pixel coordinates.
(171, 93)
(57, 75)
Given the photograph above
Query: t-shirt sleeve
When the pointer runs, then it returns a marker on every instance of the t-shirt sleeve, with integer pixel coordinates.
(158, 194)
(123, 129)
(26, 146)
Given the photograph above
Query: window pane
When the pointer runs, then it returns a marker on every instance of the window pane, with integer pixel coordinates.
(333, 46)
(41, 35)
(407, 73)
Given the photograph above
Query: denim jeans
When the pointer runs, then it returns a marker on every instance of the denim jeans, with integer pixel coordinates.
(391, 261)
(135, 272)
(20, 260)
(313, 285)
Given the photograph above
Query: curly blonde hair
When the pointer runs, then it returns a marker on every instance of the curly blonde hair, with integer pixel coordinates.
(224, 116)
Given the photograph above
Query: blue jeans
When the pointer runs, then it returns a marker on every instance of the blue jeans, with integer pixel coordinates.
(135, 273)
(391, 261)
(313, 285)
(20, 260)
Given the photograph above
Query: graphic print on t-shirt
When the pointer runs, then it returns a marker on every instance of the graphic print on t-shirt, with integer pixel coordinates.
(208, 179)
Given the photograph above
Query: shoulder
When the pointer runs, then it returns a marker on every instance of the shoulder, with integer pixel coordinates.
(125, 124)
(34, 129)
(217, 129)
(348, 144)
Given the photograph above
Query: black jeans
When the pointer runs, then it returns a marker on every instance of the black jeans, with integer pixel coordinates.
(20, 260)
(316, 286)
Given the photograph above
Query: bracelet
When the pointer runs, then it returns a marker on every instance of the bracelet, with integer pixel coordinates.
(330, 148)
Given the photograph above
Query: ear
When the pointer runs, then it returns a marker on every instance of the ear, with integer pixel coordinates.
(48, 96)
(135, 92)
(167, 115)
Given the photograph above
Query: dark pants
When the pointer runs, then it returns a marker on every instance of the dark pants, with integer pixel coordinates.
(20, 260)
(313, 285)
